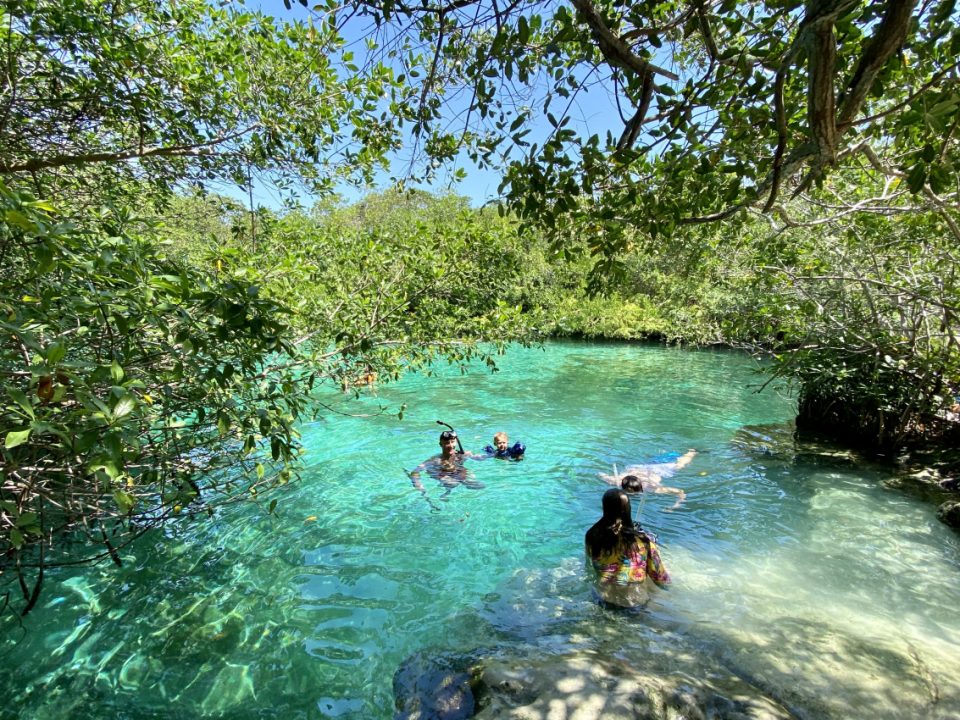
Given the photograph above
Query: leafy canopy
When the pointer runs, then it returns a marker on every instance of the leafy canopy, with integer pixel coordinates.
(138, 385)
(706, 108)
(186, 91)
(131, 383)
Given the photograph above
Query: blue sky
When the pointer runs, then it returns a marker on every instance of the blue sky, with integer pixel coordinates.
(590, 113)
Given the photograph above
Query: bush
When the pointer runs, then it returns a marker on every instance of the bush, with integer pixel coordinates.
(134, 389)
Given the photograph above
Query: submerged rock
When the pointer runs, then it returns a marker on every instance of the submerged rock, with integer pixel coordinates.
(773, 439)
(584, 684)
(590, 686)
(435, 686)
(949, 513)
(784, 441)
(929, 474)
(950, 484)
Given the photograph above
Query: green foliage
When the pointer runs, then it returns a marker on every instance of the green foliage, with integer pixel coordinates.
(391, 275)
(460, 274)
(190, 90)
(134, 387)
(191, 224)
(608, 318)
(387, 285)
(862, 314)
(707, 109)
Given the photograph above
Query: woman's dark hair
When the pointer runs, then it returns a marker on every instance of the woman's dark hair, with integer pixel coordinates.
(631, 484)
(615, 527)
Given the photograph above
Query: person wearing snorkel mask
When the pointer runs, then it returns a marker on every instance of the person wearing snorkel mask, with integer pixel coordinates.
(447, 467)
(651, 476)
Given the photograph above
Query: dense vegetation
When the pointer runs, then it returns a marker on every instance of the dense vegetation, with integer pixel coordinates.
(781, 177)
(857, 311)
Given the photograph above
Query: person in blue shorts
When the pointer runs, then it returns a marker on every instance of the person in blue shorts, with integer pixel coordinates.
(650, 476)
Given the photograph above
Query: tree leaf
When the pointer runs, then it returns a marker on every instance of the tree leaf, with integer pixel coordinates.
(125, 501)
(16, 437)
(27, 518)
(124, 406)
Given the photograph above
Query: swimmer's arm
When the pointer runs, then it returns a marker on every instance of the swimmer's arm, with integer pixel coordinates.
(588, 565)
(609, 479)
(414, 476)
(656, 570)
(681, 495)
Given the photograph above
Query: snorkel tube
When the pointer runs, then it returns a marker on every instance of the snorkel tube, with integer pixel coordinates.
(643, 499)
(450, 428)
(633, 488)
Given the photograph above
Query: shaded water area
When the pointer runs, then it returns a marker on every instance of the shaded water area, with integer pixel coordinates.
(807, 579)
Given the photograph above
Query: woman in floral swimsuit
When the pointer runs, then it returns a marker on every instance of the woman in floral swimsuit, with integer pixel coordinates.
(622, 557)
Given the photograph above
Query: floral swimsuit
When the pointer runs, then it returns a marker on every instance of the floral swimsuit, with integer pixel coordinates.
(631, 563)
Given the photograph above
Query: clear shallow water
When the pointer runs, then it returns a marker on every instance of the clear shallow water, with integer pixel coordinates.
(812, 581)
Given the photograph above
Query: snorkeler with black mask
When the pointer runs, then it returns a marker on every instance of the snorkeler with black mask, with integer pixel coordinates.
(447, 467)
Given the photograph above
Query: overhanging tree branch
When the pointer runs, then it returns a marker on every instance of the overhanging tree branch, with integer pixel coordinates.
(73, 160)
(887, 39)
(614, 49)
(632, 127)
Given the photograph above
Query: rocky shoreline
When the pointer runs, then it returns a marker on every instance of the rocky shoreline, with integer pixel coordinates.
(583, 685)
(929, 473)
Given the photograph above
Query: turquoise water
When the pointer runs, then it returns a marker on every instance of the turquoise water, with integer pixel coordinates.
(813, 580)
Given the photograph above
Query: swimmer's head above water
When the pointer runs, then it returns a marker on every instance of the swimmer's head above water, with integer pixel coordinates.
(616, 508)
(448, 441)
(631, 484)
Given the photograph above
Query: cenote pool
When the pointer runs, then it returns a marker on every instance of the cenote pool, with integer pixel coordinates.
(807, 578)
